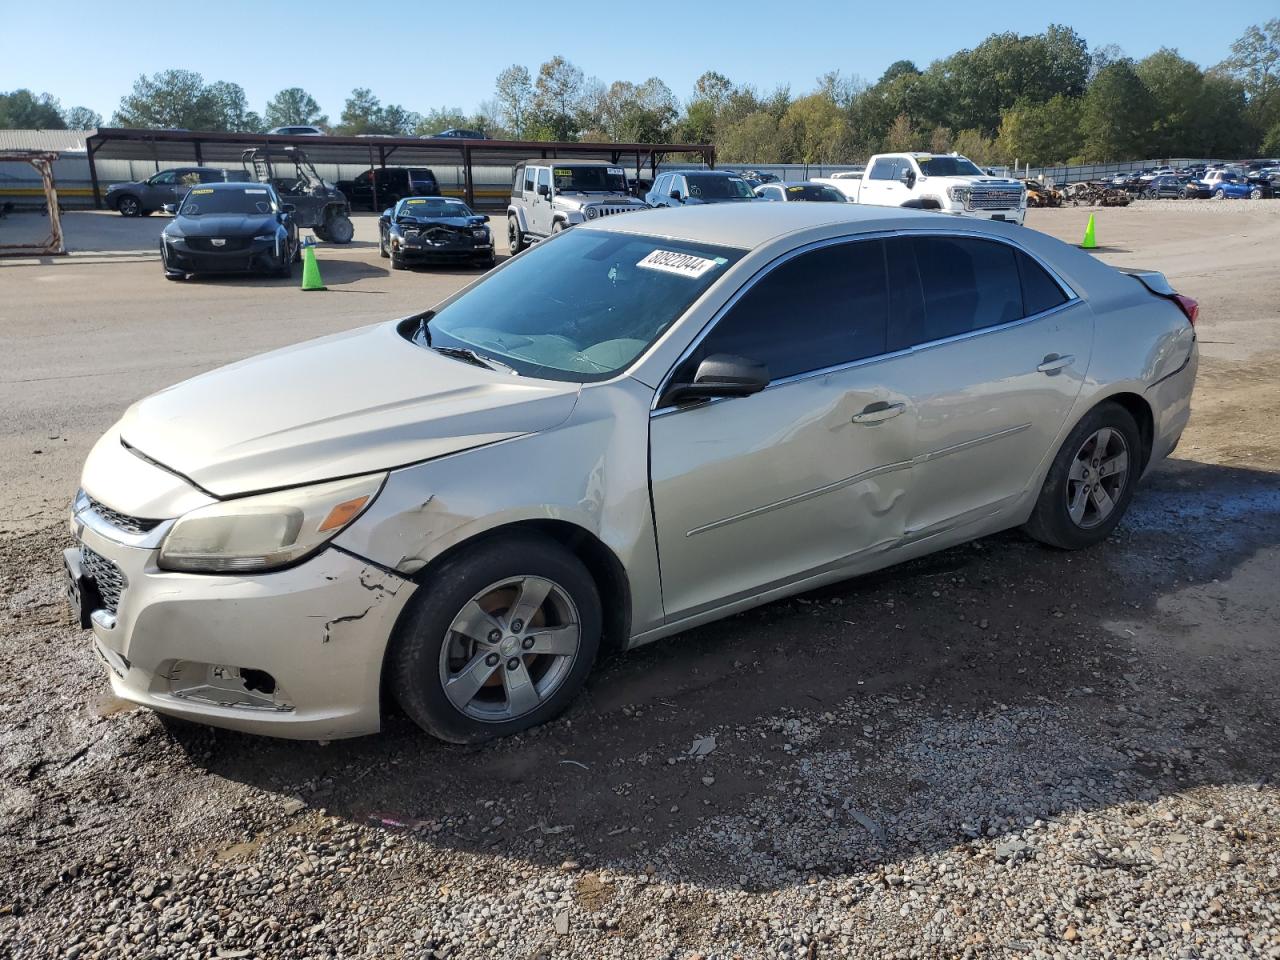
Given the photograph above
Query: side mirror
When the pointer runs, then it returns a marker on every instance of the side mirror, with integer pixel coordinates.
(170, 208)
(544, 190)
(486, 217)
(675, 195)
(908, 178)
(720, 375)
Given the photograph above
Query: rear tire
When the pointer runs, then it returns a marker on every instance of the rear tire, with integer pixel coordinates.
(515, 239)
(340, 228)
(553, 648)
(1091, 481)
(382, 246)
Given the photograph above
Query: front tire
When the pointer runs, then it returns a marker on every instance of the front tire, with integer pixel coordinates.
(1255, 194)
(503, 640)
(339, 228)
(382, 246)
(128, 206)
(1091, 481)
(1219, 194)
(515, 239)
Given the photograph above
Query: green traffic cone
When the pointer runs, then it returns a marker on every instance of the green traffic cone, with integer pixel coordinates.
(1090, 241)
(310, 269)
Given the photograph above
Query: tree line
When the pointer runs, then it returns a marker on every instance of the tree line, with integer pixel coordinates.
(1041, 98)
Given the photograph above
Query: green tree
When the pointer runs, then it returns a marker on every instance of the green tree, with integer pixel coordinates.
(82, 118)
(1255, 64)
(398, 121)
(902, 135)
(816, 130)
(513, 91)
(755, 138)
(233, 108)
(1177, 89)
(1117, 115)
(975, 145)
(170, 98)
(940, 139)
(294, 107)
(556, 96)
(362, 113)
(23, 110)
(1041, 133)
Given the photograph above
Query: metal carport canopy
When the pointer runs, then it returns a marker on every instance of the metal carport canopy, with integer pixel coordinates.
(220, 148)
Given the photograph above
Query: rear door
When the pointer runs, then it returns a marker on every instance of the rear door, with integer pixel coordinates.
(757, 492)
(877, 188)
(999, 350)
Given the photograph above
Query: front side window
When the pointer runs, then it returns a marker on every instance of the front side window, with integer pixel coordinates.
(820, 309)
(710, 187)
(167, 178)
(581, 307)
(544, 177)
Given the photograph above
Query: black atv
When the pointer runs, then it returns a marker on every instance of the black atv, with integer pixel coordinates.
(317, 203)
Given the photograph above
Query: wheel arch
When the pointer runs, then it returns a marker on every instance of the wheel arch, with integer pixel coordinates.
(521, 220)
(602, 564)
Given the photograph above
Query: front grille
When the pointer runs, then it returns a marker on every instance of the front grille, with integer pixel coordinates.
(106, 576)
(229, 244)
(122, 521)
(602, 211)
(989, 199)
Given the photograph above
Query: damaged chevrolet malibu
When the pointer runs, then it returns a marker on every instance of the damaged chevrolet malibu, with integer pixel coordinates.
(632, 428)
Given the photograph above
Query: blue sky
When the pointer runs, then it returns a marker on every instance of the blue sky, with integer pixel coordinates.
(96, 50)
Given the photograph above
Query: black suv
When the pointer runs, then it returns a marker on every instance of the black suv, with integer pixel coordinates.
(393, 185)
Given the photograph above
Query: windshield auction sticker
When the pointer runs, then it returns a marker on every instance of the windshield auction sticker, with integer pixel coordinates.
(682, 264)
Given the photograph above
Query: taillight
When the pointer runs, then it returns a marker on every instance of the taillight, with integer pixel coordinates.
(1188, 306)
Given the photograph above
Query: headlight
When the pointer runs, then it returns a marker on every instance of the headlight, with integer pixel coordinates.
(591, 213)
(958, 194)
(480, 233)
(269, 530)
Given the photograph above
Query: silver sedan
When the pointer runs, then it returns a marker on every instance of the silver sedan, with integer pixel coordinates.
(628, 430)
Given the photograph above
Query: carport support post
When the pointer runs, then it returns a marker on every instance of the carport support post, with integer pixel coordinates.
(373, 180)
(468, 184)
(199, 155)
(93, 177)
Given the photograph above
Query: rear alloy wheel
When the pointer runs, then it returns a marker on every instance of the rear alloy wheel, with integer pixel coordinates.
(1219, 194)
(1091, 481)
(502, 641)
(1255, 194)
(128, 206)
(515, 239)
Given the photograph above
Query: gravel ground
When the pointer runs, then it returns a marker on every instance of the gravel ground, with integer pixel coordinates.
(998, 751)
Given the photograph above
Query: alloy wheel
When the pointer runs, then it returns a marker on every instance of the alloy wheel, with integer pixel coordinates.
(1097, 477)
(510, 648)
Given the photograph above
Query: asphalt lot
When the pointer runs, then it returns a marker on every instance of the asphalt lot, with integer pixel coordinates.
(998, 751)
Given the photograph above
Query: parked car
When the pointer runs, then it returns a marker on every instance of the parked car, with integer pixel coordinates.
(1158, 172)
(316, 202)
(1221, 184)
(645, 424)
(459, 134)
(848, 182)
(433, 229)
(229, 228)
(548, 196)
(142, 197)
(1167, 185)
(758, 177)
(695, 187)
(947, 183)
(801, 190)
(298, 131)
(380, 187)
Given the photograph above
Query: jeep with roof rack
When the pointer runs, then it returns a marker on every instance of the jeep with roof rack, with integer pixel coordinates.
(548, 196)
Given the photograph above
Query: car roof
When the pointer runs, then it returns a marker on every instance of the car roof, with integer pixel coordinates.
(232, 185)
(562, 162)
(717, 173)
(750, 225)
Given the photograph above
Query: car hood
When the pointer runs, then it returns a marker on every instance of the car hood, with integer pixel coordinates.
(347, 404)
(222, 225)
(474, 221)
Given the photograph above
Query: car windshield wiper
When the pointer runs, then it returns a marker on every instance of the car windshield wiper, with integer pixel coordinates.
(467, 355)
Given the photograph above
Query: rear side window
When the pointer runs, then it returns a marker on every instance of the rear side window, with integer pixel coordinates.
(968, 284)
(528, 178)
(517, 179)
(882, 170)
(820, 309)
(1040, 292)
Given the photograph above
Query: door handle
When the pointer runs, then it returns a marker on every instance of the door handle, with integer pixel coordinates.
(1053, 363)
(879, 412)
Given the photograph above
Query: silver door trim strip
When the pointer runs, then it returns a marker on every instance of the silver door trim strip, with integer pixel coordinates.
(868, 474)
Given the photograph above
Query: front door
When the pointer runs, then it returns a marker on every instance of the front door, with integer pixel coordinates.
(756, 492)
(999, 352)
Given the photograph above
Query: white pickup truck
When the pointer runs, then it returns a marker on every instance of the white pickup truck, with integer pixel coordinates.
(948, 183)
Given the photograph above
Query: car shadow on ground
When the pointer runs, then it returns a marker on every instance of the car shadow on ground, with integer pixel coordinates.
(333, 272)
(962, 694)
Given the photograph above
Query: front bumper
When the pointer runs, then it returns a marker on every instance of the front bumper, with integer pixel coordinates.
(296, 653)
(260, 256)
(461, 250)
